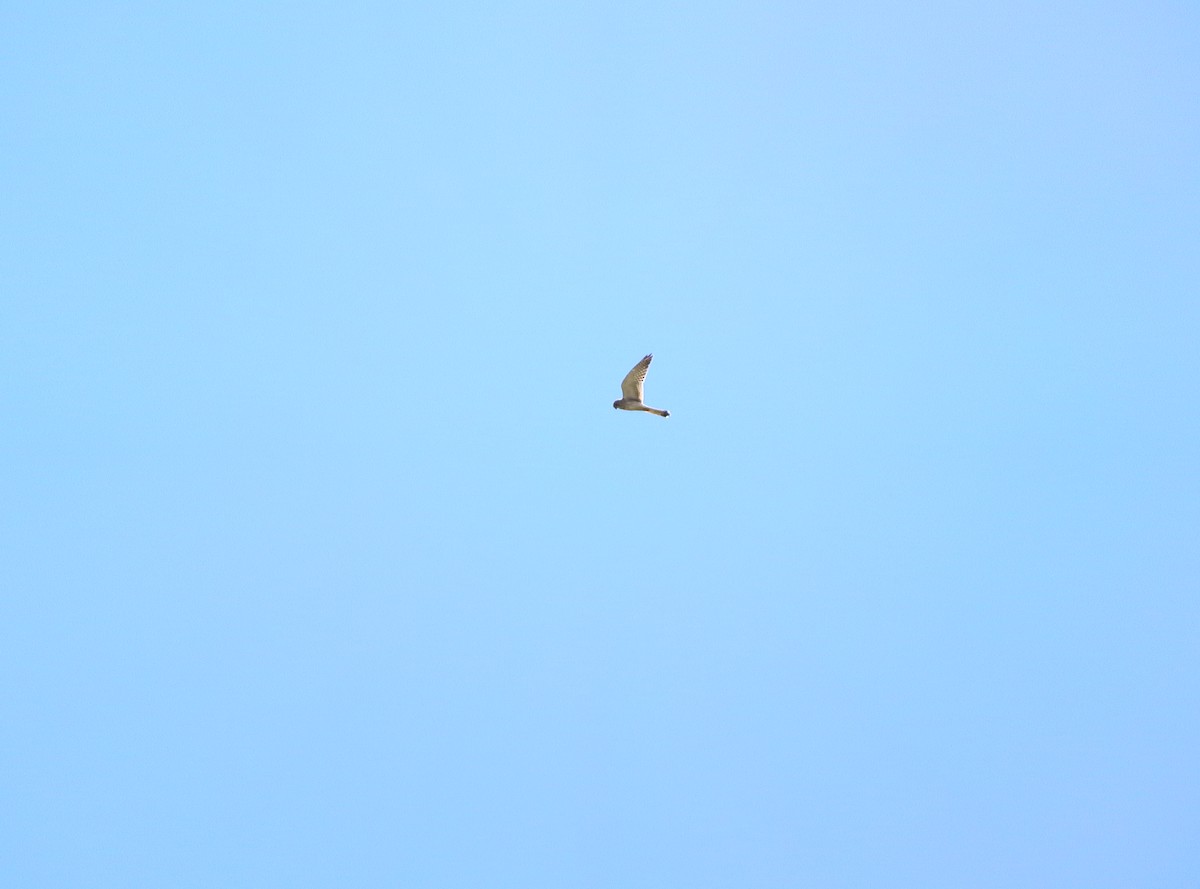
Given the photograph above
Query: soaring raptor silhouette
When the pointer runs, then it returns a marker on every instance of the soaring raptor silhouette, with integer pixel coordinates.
(632, 390)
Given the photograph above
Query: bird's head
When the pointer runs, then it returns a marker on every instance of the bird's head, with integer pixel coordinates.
(615, 403)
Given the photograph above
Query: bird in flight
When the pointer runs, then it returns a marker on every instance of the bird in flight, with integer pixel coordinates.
(632, 390)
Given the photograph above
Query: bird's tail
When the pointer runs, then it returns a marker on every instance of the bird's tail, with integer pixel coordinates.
(655, 410)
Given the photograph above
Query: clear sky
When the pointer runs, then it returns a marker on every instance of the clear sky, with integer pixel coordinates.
(326, 562)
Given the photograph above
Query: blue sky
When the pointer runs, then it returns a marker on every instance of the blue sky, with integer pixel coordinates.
(326, 561)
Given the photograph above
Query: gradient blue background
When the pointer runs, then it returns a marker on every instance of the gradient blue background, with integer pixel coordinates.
(326, 562)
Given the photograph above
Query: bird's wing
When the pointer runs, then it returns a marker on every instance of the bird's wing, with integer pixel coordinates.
(632, 386)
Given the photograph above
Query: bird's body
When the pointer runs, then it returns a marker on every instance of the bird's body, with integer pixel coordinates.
(633, 390)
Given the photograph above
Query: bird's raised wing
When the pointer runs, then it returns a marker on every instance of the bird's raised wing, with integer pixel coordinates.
(632, 386)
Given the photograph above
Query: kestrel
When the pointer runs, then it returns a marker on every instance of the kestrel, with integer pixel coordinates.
(632, 390)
